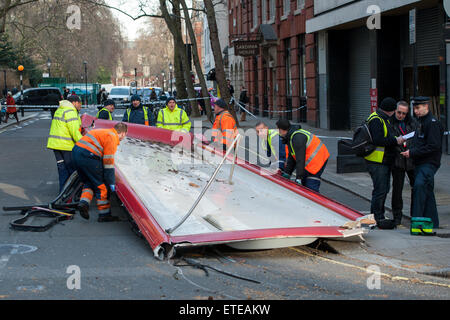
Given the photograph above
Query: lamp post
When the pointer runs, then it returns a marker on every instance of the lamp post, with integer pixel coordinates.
(49, 64)
(21, 68)
(135, 80)
(163, 79)
(170, 75)
(85, 79)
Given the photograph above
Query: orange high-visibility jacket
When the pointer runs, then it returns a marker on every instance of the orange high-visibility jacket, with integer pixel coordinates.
(316, 152)
(103, 143)
(224, 128)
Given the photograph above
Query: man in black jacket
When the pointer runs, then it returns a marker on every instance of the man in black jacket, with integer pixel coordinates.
(308, 155)
(426, 153)
(403, 124)
(380, 161)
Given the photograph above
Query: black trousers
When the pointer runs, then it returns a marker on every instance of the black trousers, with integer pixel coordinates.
(398, 181)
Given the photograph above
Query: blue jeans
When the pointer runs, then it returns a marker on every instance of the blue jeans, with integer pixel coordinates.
(424, 204)
(65, 166)
(312, 181)
(381, 178)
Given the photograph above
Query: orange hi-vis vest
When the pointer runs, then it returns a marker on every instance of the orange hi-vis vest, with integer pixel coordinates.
(224, 128)
(316, 152)
(103, 143)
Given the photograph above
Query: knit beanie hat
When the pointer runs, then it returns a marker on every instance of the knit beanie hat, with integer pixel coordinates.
(388, 104)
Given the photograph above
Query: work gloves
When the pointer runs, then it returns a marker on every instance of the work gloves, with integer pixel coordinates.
(285, 175)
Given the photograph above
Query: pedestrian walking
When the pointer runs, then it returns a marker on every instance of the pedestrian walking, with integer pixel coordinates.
(426, 152)
(93, 158)
(65, 131)
(308, 155)
(65, 93)
(243, 100)
(272, 144)
(224, 129)
(230, 87)
(11, 107)
(173, 118)
(104, 96)
(107, 110)
(380, 161)
(403, 124)
(137, 113)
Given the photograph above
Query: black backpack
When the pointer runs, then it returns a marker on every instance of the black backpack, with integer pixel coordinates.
(362, 140)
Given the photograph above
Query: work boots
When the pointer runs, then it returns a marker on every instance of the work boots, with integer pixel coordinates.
(83, 207)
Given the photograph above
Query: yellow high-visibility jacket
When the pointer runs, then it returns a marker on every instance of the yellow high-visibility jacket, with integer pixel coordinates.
(65, 129)
(176, 120)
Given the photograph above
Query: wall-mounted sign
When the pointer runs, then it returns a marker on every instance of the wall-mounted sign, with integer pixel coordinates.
(246, 48)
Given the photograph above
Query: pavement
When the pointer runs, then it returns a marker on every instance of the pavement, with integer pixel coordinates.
(393, 248)
(12, 121)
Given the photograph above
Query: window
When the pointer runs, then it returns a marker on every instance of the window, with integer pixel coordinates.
(255, 13)
(300, 4)
(264, 10)
(302, 66)
(287, 46)
(286, 7)
(272, 10)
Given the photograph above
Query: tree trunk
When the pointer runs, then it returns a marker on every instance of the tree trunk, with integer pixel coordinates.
(197, 63)
(217, 52)
(176, 32)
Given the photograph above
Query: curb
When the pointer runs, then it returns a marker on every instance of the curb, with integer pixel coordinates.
(4, 126)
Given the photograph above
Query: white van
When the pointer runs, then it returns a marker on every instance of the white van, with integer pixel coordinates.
(120, 94)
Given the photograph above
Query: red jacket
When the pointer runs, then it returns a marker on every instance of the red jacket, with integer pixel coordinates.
(10, 102)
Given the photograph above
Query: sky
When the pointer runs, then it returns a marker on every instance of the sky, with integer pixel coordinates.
(129, 26)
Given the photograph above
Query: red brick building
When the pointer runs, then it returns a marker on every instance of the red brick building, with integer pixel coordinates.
(281, 74)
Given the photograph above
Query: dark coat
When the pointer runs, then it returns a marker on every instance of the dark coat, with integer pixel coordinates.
(427, 143)
(409, 125)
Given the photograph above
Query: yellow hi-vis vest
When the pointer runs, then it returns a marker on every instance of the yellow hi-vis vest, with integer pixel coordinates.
(65, 129)
(176, 120)
(378, 154)
(109, 113)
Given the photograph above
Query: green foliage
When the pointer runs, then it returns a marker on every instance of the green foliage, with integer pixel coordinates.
(11, 57)
(103, 75)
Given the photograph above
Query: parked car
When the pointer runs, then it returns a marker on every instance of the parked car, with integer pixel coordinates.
(121, 94)
(48, 96)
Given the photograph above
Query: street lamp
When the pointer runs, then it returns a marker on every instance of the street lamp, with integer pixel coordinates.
(170, 74)
(85, 79)
(49, 64)
(21, 68)
(164, 79)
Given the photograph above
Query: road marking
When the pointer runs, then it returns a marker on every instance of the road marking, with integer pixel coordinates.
(393, 278)
(13, 249)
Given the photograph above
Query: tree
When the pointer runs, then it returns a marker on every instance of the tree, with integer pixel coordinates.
(197, 64)
(6, 7)
(176, 33)
(217, 52)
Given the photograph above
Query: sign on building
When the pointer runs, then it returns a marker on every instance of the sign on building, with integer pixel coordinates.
(246, 48)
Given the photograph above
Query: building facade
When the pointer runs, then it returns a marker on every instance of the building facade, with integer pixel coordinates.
(208, 63)
(279, 71)
(371, 49)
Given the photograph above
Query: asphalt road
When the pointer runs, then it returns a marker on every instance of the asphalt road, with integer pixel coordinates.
(81, 259)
